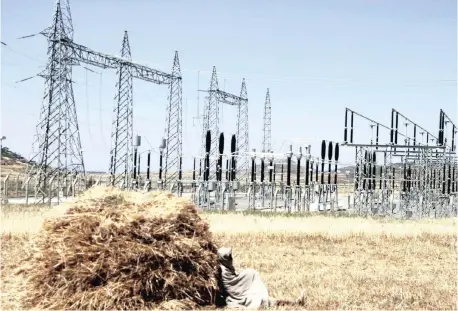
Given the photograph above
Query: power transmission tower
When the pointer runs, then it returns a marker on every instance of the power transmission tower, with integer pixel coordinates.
(57, 156)
(59, 153)
(174, 125)
(267, 130)
(121, 161)
(211, 120)
(242, 133)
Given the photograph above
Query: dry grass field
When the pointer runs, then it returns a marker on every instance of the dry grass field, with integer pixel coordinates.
(339, 262)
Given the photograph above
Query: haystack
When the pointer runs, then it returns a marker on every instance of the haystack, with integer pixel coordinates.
(117, 250)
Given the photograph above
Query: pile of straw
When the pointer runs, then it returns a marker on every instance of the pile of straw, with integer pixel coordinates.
(115, 251)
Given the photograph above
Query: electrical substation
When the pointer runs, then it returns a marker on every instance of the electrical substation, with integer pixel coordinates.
(404, 171)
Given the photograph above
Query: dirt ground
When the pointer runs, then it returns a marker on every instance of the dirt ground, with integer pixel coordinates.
(339, 263)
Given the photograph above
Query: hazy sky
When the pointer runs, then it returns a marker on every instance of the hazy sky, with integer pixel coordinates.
(317, 57)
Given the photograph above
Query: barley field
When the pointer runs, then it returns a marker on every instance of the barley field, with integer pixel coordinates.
(338, 262)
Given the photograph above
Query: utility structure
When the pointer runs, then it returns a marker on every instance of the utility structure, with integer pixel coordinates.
(214, 97)
(423, 183)
(267, 128)
(58, 153)
(57, 158)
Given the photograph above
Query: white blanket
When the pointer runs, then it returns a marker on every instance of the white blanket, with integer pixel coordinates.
(243, 290)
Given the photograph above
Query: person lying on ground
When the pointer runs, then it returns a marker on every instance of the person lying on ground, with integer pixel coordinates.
(245, 289)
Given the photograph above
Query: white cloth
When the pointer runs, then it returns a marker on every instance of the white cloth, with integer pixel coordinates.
(246, 289)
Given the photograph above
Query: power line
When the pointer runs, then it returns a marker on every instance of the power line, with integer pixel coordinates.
(363, 82)
(41, 61)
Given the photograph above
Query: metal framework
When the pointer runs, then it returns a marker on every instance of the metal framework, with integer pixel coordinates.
(214, 97)
(58, 157)
(122, 128)
(267, 129)
(242, 133)
(417, 177)
(174, 125)
(58, 152)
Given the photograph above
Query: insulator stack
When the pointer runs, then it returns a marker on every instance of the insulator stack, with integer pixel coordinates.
(392, 130)
(365, 169)
(275, 173)
(271, 164)
(288, 172)
(233, 161)
(323, 155)
(311, 171)
(397, 129)
(370, 172)
(307, 172)
(135, 164)
(414, 136)
(393, 178)
(443, 179)
(449, 179)
(336, 158)
(374, 171)
(351, 129)
(255, 171)
(404, 181)
(207, 156)
(376, 136)
(160, 166)
(298, 172)
(329, 162)
(219, 172)
(385, 184)
(441, 129)
(253, 168)
(194, 169)
(346, 121)
(148, 165)
(227, 169)
(262, 170)
(453, 138)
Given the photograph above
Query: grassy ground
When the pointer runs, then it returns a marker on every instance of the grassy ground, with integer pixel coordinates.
(339, 262)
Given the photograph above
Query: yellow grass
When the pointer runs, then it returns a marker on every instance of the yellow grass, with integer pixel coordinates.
(340, 263)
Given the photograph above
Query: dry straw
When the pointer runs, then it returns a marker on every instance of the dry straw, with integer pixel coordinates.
(115, 250)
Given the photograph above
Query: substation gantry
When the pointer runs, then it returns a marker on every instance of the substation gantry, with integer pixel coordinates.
(57, 162)
(214, 98)
(417, 177)
(269, 194)
(304, 194)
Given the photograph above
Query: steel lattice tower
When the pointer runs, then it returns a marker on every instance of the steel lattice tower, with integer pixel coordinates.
(242, 133)
(211, 121)
(121, 155)
(57, 154)
(173, 125)
(267, 129)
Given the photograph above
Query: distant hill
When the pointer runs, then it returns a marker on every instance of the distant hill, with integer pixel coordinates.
(9, 157)
(12, 162)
